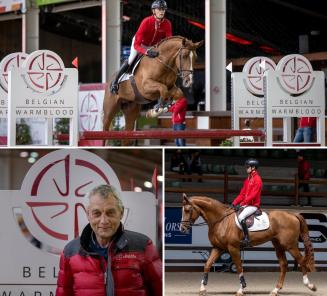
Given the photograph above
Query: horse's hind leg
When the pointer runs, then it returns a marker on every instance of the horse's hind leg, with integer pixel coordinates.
(295, 252)
(280, 253)
(131, 111)
(215, 253)
(236, 256)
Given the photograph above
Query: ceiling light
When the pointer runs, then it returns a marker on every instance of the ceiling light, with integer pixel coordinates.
(147, 184)
(138, 189)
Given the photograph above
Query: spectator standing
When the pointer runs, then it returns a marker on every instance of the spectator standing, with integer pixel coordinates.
(178, 110)
(304, 174)
(306, 130)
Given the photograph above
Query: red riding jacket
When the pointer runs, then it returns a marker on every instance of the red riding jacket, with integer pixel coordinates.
(179, 111)
(133, 268)
(150, 32)
(251, 192)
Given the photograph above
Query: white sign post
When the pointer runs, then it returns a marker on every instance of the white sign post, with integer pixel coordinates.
(43, 88)
(248, 91)
(49, 208)
(13, 60)
(294, 90)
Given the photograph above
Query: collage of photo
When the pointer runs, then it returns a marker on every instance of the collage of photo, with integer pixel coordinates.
(163, 147)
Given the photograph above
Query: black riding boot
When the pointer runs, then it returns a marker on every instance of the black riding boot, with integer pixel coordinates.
(245, 242)
(114, 84)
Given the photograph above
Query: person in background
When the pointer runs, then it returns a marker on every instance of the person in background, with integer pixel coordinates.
(306, 130)
(178, 109)
(304, 174)
(151, 31)
(195, 164)
(107, 260)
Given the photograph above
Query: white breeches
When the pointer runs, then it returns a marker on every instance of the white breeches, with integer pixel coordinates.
(133, 53)
(248, 210)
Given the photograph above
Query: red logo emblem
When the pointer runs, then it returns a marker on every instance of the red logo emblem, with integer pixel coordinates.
(55, 187)
(296, 74)
(255, 69)
(10, 61)
(45, 71)
(89, 112)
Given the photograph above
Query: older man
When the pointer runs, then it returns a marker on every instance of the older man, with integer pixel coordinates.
(107, 259)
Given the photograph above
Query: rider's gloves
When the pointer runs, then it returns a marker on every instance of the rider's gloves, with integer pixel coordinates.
(151, 53)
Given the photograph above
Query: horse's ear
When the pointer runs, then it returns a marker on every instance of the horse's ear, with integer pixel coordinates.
(185, 199)
(198, 44)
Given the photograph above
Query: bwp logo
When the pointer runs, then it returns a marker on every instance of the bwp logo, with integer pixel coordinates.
(89, 112)
(255, 69)
(10, 61)
(53, 194)
(296, 74)
(45, 71)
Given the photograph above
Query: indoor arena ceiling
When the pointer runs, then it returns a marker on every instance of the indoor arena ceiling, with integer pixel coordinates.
(254, 27)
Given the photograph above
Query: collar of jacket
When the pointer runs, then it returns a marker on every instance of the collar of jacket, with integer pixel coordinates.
(119, 240)
(253, 173)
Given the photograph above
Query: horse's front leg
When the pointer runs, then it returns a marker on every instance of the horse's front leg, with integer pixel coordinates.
(215, 253)
(236, 256)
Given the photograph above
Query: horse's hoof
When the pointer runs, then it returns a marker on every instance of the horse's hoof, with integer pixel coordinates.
(312, 287)
(239, 294)
(203, 292)
(273, 294)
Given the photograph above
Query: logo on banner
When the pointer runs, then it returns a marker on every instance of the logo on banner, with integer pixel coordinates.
(255, 69)
(45, 71)
(296, 74)
(89, 112)
(13, 60)
(53, 194)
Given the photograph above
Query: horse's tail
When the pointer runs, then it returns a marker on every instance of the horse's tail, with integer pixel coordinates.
(309, 259)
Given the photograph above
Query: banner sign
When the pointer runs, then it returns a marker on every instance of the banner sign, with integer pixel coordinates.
(173, 217)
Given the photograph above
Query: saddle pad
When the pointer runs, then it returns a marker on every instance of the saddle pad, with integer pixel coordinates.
(260, 223)
(127, 75)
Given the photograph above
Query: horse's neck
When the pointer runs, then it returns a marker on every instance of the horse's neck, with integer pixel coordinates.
(170, 50)
(210, 211)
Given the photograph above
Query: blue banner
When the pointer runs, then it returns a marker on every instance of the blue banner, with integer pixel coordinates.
(173, 217)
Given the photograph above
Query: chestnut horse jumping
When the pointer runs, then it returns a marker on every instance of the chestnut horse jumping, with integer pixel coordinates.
(154, 78)
(284, 232)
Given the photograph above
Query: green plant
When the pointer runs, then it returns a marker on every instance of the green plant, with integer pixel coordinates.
(226, 142)
(23, 136)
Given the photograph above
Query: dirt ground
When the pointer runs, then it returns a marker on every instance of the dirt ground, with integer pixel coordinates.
(258, 283)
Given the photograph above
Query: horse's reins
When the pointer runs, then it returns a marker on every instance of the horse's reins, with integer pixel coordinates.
(191, 224)
(179, 72)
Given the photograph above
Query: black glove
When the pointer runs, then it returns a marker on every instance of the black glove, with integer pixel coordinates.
(152, 54)
(236, 208)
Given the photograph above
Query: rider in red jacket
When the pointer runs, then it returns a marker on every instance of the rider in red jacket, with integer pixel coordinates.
(152, 30)
(249, 197)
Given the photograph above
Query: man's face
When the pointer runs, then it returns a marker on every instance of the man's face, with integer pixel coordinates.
(159, 13)
(104, 216)
(248, 169)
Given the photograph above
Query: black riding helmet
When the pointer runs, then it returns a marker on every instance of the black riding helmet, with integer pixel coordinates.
(159, 4)
(251, 162)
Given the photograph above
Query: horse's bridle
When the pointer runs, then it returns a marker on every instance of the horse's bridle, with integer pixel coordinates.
(180, 72)
(190, 223)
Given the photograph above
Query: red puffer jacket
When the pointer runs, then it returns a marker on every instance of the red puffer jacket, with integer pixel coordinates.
(250, 194)
(133, 269)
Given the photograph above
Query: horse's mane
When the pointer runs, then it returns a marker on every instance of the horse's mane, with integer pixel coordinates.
(208, 200)
(170, 38)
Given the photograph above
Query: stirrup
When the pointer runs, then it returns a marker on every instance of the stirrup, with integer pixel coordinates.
(114, 88)
(245, 243)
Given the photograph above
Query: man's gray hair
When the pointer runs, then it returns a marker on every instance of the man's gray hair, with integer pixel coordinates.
(105, 191)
